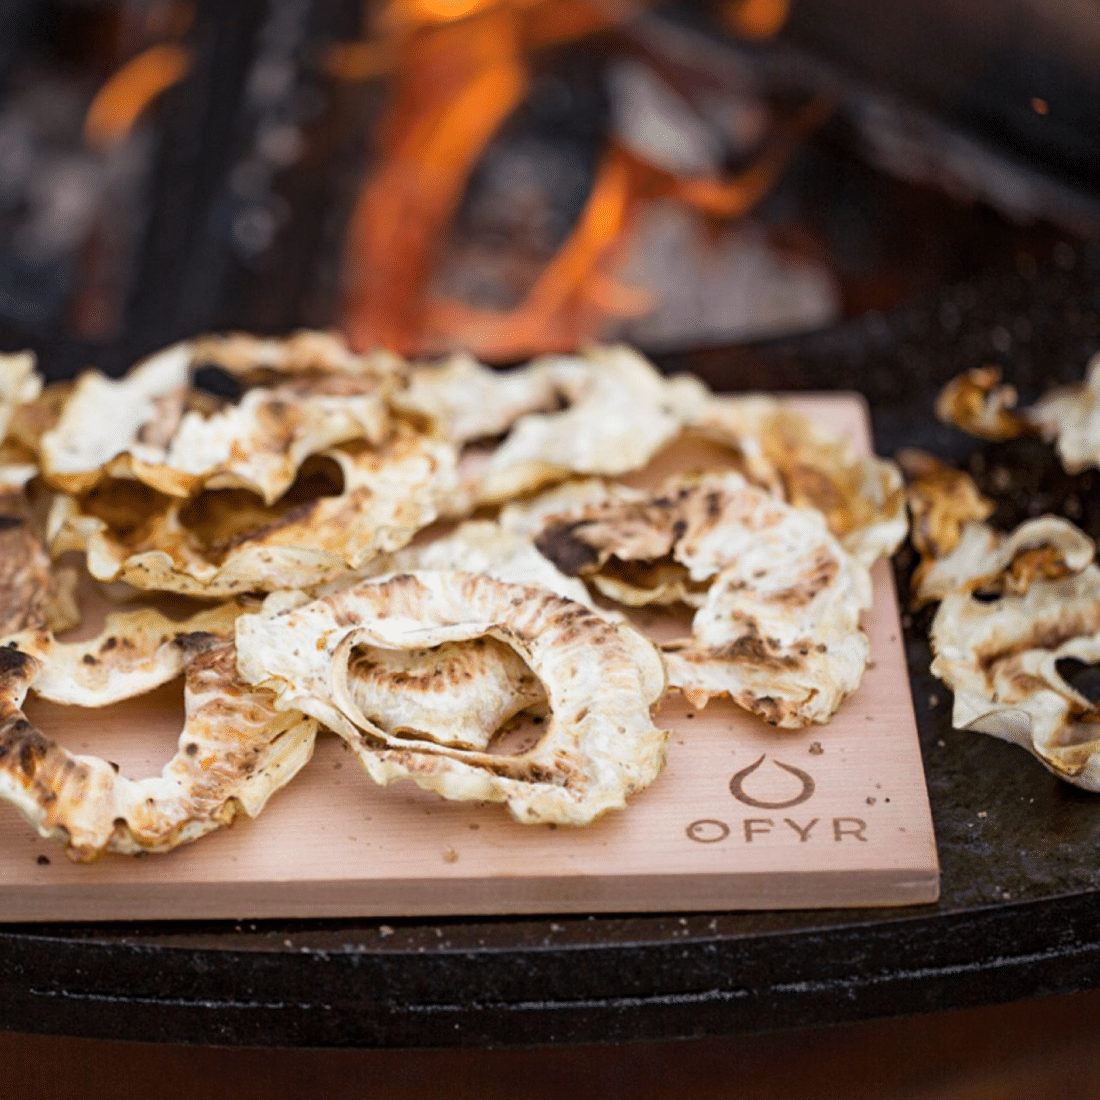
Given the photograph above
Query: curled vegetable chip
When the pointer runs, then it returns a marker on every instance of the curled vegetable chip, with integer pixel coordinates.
(616, 537)
(1071, 417)
(17, 467)
(470, 401)
(153, 427)
(20, 388)
(621, 412)
(862, 498)
(234, 752)
(25, 577)
(600, 681)
(224, 543)
(19, 385)
(1068, 417)
(1004, 660)
(460, 692)
(943, 501)
(486, 685)
(34, 593)
(979, 403)
(779, 600)
(1046, 548)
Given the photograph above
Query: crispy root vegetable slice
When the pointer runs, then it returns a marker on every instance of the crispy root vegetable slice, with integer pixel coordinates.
(862, 499)
(234, 752)
(307, 352)
(19, 385)
(790, 654)
(457, 694)
(142, 426)
(636, 583)
(17, 467)
(1047, 548)
(621, 413)
(942, 502)
(977, 402)
(779, 599)
(34, 593)
(470, 401)
(631, 580)
(1001, 659)
(600, 681)
(482, 546)
(20, 388)
(219, 546)
(26, 581)
(1071, 417)
(1068, 417)
(778, 629)
(135, 652)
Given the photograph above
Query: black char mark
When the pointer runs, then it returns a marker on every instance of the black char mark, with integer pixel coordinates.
(562, 546)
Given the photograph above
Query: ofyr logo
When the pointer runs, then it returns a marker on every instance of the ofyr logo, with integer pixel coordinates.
(711, 830)
(737, 786)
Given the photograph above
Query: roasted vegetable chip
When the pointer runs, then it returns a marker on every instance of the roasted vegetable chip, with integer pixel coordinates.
(778, 598)
(153, 426)
(234, 752)
(986, 561)
(471, 402)
(600, 680)
(359, 502)
(26, 581)
(1071, 417)
(862, 498)
(1005, 659)
(943, 501)
(620, 413)
(19, 385)
(1068, 417)
(979, 403)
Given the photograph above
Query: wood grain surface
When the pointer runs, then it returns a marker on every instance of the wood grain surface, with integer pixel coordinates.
(744, 816)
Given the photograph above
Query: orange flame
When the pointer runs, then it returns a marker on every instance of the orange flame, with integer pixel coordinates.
(120, 101)
(576, 291)
(449, 102)
(460, 68)
(757, 18)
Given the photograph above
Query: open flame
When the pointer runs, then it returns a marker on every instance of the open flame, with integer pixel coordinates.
(121, 100)
(160, 62)
(457, 69)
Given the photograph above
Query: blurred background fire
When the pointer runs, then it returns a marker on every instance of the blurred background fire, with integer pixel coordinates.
(518, 176)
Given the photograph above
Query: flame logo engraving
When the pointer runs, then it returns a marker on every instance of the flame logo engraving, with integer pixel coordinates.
(737, 788)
